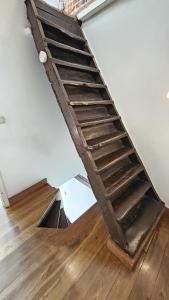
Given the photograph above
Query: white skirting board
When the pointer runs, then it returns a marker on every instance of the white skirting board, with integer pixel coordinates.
(3, 193)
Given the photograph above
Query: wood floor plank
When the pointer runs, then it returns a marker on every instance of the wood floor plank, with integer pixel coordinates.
(15, 269)
(125, 279)
(146, 278)
(35, 266)
(62, 279)
(22, 231)
(21, 286)
(15, 243)
(161, 286)
(15, 213)
(97, 279)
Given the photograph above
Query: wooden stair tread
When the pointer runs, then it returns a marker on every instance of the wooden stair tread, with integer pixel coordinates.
(136, 233)
(110, 159)
(84, 84)
(86, 103)
(60, 28)
(127, 202)
(105, 140)
(74, 66)
(97, 121)
(66, 47)
(121, 178)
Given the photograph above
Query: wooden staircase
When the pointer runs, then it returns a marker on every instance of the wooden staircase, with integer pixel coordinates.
(129, 204)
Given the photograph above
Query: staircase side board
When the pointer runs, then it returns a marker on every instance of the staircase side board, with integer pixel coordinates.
(70, 118)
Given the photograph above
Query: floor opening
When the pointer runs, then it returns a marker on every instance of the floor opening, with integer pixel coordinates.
(73, 199)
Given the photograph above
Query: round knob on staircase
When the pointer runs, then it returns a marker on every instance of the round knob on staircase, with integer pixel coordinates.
(43, 57)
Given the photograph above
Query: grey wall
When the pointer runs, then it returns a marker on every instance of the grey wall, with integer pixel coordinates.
(34, 142)
(130, 40)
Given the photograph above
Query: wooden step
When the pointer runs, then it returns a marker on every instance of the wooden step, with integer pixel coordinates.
(130, 199)
(84, 84)
(60, 28)
(66, 47)
(105, 140)
(74, 66)
(98, 121)
(110, 159)
(86, 103)
(148, 217)
(121, 178)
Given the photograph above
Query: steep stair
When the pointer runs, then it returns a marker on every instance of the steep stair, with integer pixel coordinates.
(129, 203)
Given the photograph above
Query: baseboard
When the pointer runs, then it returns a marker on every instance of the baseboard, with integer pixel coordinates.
(29, 191)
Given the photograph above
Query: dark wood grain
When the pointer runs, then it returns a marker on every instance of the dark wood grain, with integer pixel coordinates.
(142, 225)
(107, 139)
(100, 137)
(98, 121)
(70, 118)
(74, 66)
(122, 177)
(66, 47)
(112, 158)
(130, 199)
(63, 19)
(62, 29)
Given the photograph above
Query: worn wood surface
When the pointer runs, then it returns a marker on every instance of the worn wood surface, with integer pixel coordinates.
(40, 30)
(34, 266)
(97, 130)
(50, 12)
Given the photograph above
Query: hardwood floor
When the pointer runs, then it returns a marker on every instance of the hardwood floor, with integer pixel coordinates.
(33, 265)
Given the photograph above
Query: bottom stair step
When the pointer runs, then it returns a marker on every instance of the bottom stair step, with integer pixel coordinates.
(130, 199)
(136, 233)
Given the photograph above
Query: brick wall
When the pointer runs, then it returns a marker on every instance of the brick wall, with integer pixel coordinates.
(71, 6)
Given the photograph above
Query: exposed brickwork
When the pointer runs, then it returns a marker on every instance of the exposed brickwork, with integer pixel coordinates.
(71, 6)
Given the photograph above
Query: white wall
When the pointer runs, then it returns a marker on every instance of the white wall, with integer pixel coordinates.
(34, 142)
(77, 198)
(54, 3)
(130, 40)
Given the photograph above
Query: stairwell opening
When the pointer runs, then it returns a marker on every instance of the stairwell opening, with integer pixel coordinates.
(72, 200)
